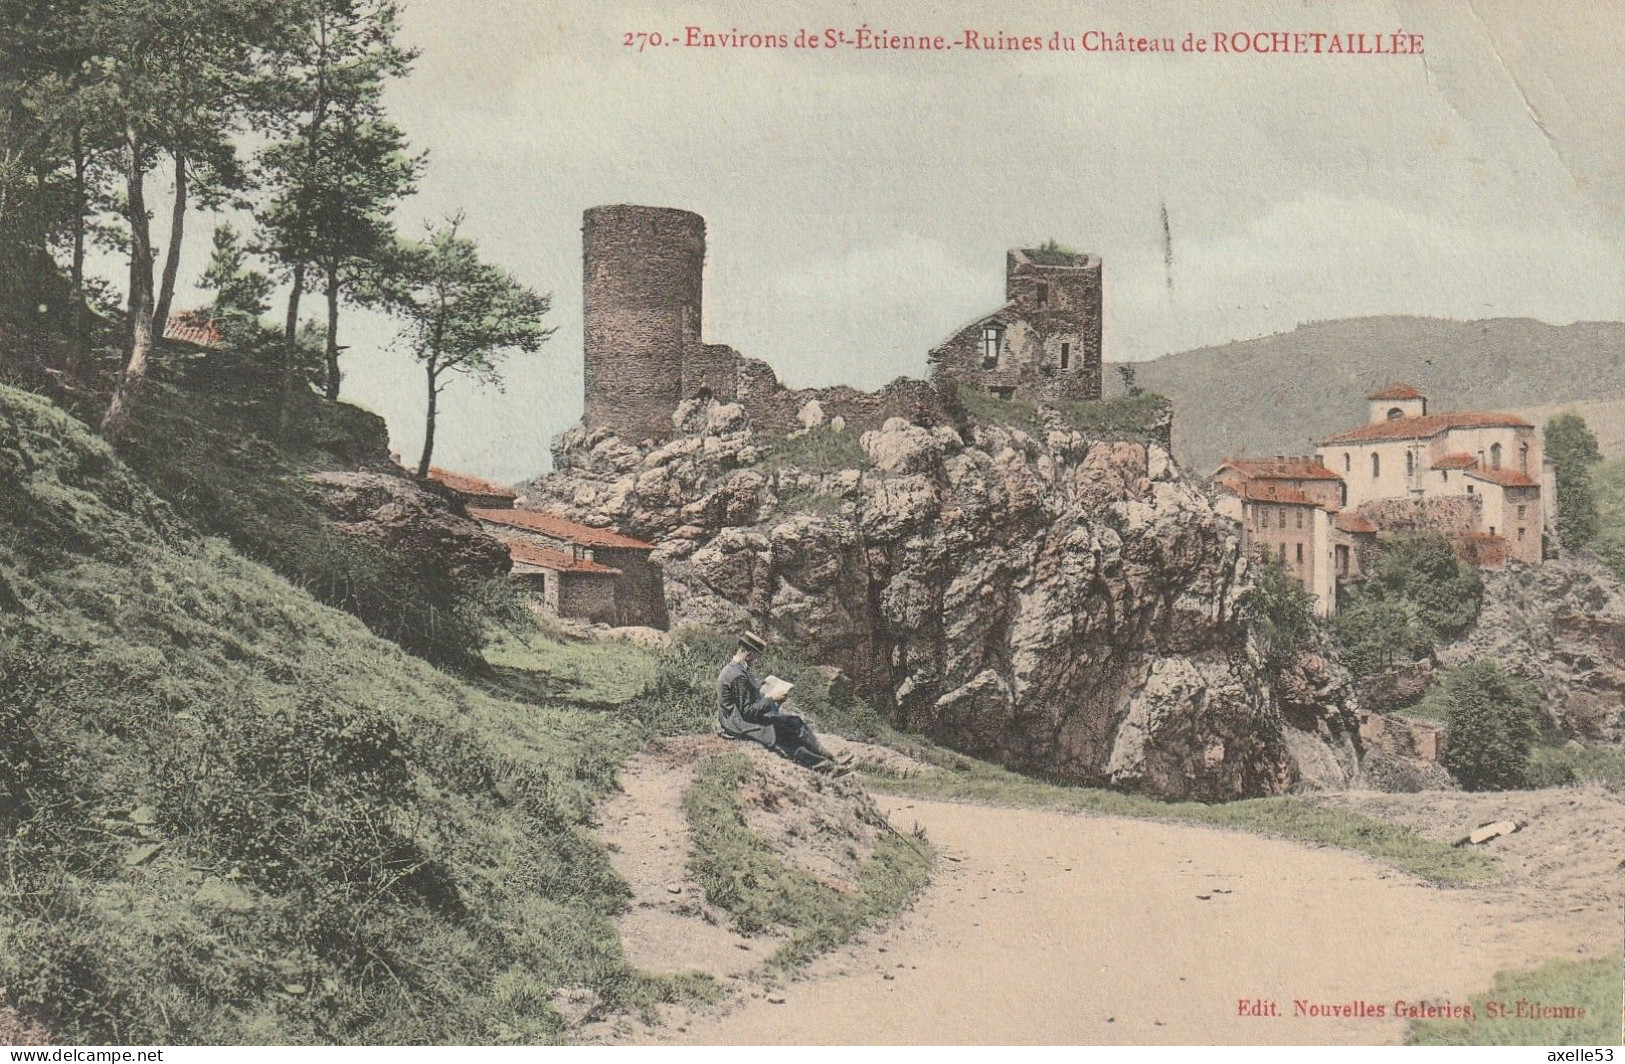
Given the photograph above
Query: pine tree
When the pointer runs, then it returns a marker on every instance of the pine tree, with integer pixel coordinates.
(461, 315)
(336, 165)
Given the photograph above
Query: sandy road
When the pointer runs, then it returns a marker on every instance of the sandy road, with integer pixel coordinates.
(1045, 927)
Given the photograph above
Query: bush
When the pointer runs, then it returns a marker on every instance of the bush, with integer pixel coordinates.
(1417, 594)
(819, 450)
(1279, 610)
(1572, 447)
(1492, 719)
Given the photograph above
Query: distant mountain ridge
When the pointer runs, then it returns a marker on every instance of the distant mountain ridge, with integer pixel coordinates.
(1278, 394)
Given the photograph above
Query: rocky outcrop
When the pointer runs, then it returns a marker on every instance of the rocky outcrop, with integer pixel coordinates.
(1062, 604)
(1560, 625)
(421, 528)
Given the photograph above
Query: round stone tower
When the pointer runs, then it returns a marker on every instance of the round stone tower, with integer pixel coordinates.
(641, 278)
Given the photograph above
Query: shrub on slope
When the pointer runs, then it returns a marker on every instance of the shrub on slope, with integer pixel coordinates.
(230, 814)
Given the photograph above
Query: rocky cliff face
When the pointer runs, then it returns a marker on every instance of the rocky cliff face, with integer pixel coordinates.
(1562, 626)
(1064, 605)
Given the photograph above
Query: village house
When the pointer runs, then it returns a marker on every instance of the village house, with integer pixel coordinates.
(1492, 460)
(474, 491)
(577, 571)
(1292, 508)
(574, 570)
(1471, 476)
(193, 327)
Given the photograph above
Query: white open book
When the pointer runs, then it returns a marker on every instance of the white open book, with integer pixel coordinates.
(776, 689)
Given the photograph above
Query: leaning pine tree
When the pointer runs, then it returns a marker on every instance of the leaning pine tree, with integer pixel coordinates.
(461, 315)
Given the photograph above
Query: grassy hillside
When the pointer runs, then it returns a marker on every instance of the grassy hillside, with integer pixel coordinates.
(1277, 394)
(232, 814)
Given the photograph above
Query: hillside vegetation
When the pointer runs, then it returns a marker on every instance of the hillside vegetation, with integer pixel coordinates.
(232, 814)
(1278, 394)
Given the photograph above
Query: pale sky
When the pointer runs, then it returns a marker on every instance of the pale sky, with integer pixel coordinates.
(859, 204)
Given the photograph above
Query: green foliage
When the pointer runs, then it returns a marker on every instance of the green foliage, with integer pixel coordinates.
(1280, 611)
(1572, 447)
(1138, 415)
(741, 874)
(1375, 632)
(818, 450)
(242, 295)
(1416, 594)
(1554, 765)
(1608, 483)
(1491, 721)
(1051, 253)
(461, 314)
(206, 445)
(352, 846)
(1591, 987)
(982, 407)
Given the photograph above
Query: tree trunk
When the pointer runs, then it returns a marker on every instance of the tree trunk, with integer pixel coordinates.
(117, 420)
(172, 258)
(77, 277)
(290, 350)
(428, 425)
(333, 375)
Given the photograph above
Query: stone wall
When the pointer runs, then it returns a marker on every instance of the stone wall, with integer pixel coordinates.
(640, 590)
(773, 408)
(1457, 516)
(589, 596)
(1052, 317)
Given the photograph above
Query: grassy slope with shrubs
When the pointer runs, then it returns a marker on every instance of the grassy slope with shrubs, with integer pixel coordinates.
(355, 847)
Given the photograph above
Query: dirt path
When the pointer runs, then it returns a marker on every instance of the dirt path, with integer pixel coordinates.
(668, 927)
(1046, 927)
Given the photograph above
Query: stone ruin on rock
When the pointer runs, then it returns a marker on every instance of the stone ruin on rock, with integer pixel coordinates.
(644, 352)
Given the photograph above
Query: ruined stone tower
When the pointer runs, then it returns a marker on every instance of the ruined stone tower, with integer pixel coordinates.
(1045, 341)
(642, 273)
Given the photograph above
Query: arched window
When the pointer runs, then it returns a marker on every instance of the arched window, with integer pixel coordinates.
(1495, 456)
(1376, 466)
(1395, 412)
(1348, 462)
(1523, 458)
(1410, 463)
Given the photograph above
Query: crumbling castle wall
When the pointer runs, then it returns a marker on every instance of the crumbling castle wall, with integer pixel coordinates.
(1045, 342)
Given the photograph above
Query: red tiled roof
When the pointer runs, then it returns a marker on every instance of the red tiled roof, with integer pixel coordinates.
(193, 327)
(1348, 521)
(530, 554)
(1410, 428)
(1456, 460)
(1272, 493)
(560, 528)
(1396, 391)
(469, 485)
(1298, 467)
(1507, 478)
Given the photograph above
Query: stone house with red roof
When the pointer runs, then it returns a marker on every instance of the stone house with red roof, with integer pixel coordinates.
(474, 491)
(1494, 459)
(1478, 477)
(577, 571)
(1291, 508)
(574, 570)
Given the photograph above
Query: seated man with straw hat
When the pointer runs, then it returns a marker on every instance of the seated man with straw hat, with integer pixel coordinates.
(746, 710)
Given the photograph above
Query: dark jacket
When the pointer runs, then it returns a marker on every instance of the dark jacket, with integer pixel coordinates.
(742, 712)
